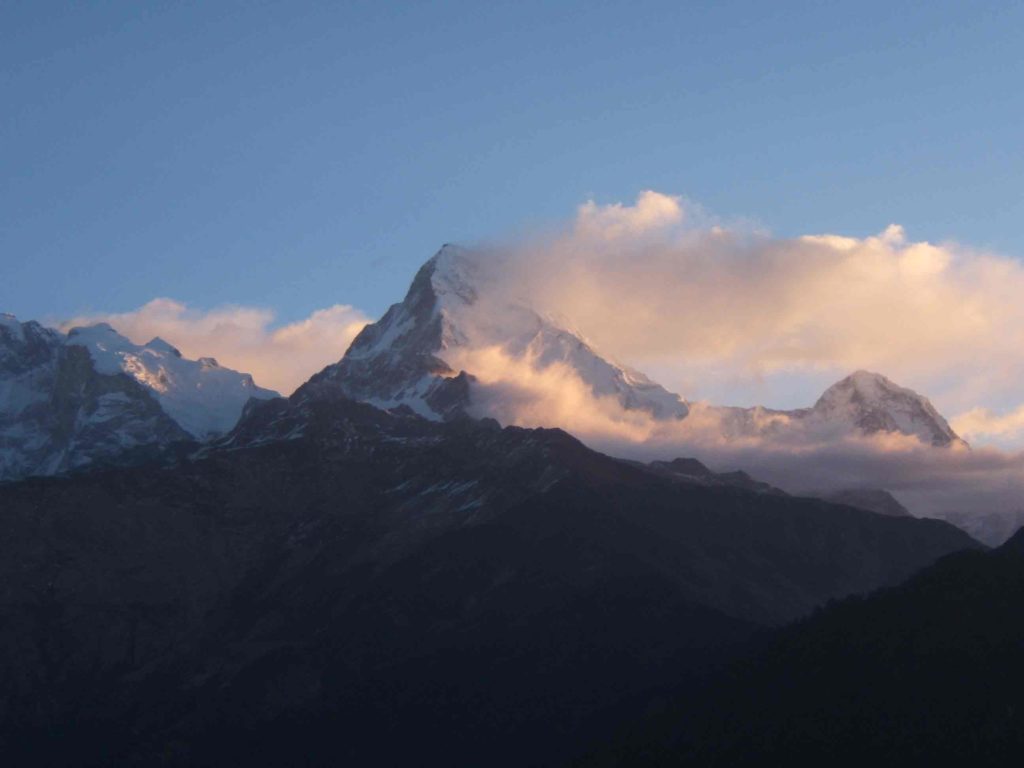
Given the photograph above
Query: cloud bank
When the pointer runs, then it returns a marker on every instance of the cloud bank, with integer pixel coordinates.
(243, 338)
(722, 312)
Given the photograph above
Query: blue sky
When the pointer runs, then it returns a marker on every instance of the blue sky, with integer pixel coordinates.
(298, 155)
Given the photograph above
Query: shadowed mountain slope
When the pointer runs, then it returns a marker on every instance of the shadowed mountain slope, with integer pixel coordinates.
(332, 581)
(924, 673)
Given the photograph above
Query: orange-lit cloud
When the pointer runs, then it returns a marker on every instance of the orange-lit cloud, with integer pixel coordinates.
(653, 211)
(981, 423)
(243, 338)
(708, 310)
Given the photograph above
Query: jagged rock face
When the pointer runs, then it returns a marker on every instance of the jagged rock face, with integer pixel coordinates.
(92, 397)
(204, 398)
(406, 358)
(872, 403)
(394, 361)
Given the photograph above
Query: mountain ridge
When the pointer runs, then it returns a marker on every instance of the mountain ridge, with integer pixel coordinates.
(411, 357)
(365, 582)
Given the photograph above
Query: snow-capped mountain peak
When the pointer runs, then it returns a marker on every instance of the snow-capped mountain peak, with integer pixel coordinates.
(862, 403)
(455, 307)
(455, 275)
(201, 396)
(873, 403)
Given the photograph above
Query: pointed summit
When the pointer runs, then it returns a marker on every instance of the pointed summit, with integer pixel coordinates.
(393, 361)
(455, 305)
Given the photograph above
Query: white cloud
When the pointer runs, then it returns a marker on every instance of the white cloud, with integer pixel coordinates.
(981, 423)
(653, 211)
(243, 338)
(717, 309)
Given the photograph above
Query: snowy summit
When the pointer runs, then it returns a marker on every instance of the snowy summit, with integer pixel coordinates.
(410, 356)
(202, 397)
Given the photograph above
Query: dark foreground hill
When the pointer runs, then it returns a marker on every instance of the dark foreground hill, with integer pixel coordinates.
(335, 583)
(926, 673)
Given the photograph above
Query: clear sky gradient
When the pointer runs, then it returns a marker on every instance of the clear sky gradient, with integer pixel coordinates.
(298, 155)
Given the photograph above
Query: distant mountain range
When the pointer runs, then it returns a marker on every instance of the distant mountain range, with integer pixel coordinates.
(409, 358)
(92, 396)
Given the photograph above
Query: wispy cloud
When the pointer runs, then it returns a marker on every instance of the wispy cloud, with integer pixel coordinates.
(981, 424)
(652, 211)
